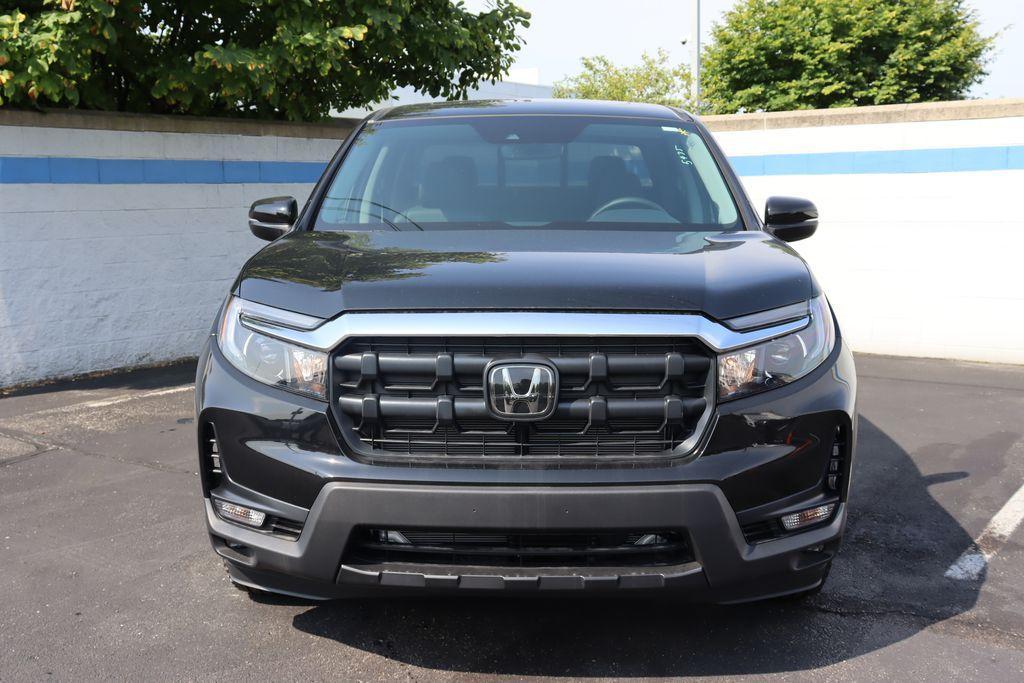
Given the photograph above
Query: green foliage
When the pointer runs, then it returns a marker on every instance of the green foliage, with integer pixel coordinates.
(292, 59)
(654, 80)
(809, 54)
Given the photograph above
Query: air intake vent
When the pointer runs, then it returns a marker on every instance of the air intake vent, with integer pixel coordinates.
(517, 548)
(285, 527)
(765, 530)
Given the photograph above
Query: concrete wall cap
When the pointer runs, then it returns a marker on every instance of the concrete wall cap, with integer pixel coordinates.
(851, 116)
(123, 121)
(338, 128)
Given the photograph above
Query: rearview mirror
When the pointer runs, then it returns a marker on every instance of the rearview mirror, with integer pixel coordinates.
(530, 151)
(790, 218)
(272, 217)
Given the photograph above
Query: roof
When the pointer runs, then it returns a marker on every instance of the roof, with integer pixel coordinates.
(532, 107)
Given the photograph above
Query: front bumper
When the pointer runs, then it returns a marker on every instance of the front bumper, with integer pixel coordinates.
(725, 568)
(763, 456)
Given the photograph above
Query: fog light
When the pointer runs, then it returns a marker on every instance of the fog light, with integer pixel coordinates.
(798, 520)
(239, 513)
(391, 536)
(651, 539)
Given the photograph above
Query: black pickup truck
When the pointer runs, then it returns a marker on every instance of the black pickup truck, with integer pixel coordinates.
(527, 347)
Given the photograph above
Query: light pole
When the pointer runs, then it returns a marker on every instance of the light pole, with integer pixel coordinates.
(695, 57)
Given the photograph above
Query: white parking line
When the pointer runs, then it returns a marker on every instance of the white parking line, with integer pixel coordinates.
(113, 400)
(973, 561)
(131, 397)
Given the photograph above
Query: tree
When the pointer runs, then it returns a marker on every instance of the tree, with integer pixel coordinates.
(807, 54)
(292, 59)
(654, 80)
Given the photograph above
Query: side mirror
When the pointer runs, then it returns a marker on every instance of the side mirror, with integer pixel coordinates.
(270, 218)
(789, 218)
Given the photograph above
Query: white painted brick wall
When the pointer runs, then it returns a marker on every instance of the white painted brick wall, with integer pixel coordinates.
(915, 264)
(114, 144)
(96, 277)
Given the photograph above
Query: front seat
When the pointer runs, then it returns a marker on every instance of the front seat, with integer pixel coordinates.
(448, 191)
(608, 179)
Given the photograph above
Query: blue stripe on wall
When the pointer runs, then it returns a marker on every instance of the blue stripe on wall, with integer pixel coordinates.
(162, 171)
(883, 161)
(154, 171)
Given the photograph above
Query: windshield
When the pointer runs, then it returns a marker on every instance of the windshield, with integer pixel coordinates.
(507, 172)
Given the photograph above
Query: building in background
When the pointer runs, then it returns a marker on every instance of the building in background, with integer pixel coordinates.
(525, 85)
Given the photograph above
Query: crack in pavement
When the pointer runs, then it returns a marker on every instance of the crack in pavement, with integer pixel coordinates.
(39, 446)
(43, 447)
(128, 461)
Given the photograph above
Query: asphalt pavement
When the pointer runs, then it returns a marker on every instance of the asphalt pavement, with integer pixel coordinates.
(106, 570)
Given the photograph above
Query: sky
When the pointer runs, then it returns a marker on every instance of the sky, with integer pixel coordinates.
(562, 31)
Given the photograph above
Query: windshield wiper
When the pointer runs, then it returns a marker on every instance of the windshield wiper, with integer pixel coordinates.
(384, 219)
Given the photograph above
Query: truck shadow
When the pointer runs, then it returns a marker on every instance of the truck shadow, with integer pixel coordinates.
(898, 545)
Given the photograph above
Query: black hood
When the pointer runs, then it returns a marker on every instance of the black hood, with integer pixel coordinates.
(720, 274)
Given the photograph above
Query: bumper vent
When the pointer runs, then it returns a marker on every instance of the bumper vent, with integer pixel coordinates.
(517, 549)
(285, 528)
(840, 447)
(621, 402)
(765, 530)
(210, 456)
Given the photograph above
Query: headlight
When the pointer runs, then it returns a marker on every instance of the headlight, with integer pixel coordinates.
(779, 361)
(267, 359)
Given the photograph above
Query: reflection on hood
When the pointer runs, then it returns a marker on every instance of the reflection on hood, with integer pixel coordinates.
(721, 274)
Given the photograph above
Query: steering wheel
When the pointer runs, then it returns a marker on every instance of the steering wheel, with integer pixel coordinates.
(626, 201)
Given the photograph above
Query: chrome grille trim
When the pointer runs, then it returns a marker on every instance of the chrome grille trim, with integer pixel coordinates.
(715, 335)
(771, 317)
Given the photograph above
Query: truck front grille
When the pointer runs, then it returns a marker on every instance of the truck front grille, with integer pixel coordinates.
(621, 402)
